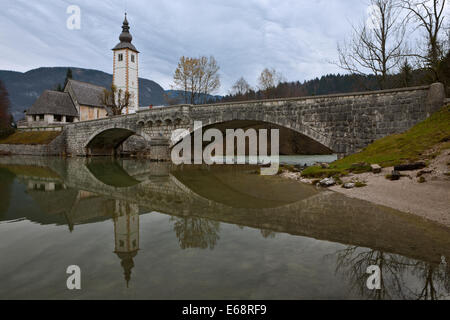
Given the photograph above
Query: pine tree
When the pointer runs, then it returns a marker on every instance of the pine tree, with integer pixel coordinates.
(406, 74)
(5, 116)
(68, 76)
(59, 88)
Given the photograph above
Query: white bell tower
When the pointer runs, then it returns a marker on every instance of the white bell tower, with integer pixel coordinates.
(125, 68)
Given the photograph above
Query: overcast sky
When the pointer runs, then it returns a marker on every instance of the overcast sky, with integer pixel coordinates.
(296, 37)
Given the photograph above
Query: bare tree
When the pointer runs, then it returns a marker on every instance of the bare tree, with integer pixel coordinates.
(240, 87)
(115, 100)
(268, 81)
(429, 16)
(171, 99)
(377, 45)
(185, 75)
(197, 78)
(211, 79)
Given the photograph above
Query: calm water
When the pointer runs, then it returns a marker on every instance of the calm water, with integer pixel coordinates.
(141, 230)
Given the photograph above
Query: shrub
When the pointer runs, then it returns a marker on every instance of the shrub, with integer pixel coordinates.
(6, 132)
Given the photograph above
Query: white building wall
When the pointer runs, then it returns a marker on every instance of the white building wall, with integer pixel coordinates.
(121, 70)
(48, 118)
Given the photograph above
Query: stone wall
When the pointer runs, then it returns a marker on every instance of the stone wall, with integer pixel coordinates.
(55, 148)
(344, 123)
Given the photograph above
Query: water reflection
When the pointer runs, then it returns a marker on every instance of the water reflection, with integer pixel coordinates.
(7, 179)
(126, 234)
(433, 278)
(193, 232)
(410, 252)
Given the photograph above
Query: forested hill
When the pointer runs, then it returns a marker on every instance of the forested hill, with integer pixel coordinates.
(25, 88)
(328, 84)
(333, 84)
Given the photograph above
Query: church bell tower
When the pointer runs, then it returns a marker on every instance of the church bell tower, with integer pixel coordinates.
(125, 68)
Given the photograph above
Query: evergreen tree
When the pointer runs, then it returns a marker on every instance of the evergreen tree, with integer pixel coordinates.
(5, 116)
(444, 72)
(406, 74)
(68, 76)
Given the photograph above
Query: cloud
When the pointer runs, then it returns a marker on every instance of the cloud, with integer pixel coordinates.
(296, 37)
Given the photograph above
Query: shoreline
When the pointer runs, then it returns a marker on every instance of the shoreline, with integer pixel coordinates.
(429, 200)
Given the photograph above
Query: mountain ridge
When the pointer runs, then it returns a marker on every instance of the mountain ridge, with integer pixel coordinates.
(25, 87)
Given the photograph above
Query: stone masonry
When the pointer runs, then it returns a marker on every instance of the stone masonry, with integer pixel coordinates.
(344, 123)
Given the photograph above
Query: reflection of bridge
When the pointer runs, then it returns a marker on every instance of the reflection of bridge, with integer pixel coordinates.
(162, 188)
(341, 123)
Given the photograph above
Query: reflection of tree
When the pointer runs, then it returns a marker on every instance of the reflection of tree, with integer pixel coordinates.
(7, 179)
(433, 280)
(353, 262)
(193, 232)
(267, 233)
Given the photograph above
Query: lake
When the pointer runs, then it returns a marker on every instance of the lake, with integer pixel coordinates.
(142, 230)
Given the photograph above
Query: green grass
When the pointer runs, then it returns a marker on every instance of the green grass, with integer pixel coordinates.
(360, 184)
(31, 137)
(395, 149)
(319, 172)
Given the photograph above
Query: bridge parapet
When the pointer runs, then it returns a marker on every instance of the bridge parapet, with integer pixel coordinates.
(344, 123)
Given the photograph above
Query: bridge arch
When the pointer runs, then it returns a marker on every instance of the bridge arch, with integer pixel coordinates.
(319, 142)
(110, 173)
(106, 140)
(273, 118)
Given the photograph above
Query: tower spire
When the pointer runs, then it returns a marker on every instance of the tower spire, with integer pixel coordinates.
(125, 36)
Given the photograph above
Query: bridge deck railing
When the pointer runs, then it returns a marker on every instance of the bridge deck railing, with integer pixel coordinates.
(183, 107)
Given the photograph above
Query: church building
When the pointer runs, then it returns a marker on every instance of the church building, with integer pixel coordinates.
(82, 101)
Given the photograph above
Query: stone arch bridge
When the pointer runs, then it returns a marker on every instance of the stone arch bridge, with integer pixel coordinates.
(343, 123)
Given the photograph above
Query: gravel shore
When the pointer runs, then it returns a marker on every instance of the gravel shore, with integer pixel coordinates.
(430, 200)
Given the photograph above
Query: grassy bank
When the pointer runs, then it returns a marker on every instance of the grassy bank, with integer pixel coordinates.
(31, 137)
(395, 149)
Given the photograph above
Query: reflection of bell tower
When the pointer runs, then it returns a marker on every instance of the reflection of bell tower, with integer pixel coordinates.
(126, 234)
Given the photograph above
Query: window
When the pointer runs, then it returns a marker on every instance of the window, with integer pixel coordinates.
(57, 118)
(41, 117)
(132, 58)
(69, 119)
(120, 56)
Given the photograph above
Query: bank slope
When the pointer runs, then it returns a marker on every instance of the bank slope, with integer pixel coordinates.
(422, 142)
